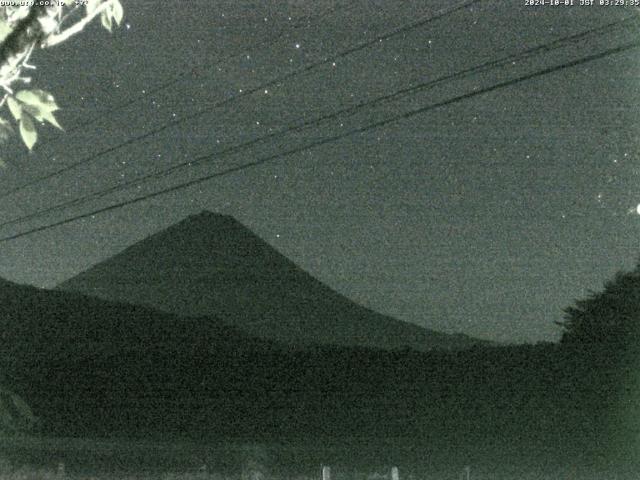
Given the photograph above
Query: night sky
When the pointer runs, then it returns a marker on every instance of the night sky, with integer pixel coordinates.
(486, 216)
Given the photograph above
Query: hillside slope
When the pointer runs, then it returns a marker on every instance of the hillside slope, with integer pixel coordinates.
(90, 367)
(210, 264)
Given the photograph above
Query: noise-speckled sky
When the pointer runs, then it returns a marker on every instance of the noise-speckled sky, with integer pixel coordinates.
(495, 203)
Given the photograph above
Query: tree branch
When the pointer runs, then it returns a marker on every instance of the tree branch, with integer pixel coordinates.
(75, 28)
(28, 32)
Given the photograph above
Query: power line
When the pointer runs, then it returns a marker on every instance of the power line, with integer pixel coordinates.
(326, 140)
(178, 78)
(269, 83)
(157, 89)
(558, 43)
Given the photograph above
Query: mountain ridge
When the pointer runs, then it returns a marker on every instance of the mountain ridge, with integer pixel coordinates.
(210, 264)
(95, 368)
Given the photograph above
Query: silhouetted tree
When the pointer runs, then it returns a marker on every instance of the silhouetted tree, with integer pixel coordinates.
(609, 316)
(29, 26)
(599, 365)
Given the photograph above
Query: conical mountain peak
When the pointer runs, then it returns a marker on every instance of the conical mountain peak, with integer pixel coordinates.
(211, 265)
(207, 216)
(204, 221)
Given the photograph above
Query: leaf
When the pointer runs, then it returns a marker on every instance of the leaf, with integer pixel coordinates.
(30, 110)
(105, 18)
(14, 108)
(40, 105)
(5, 129)
(117, 12)
(28, 131)
(38, 98)
(92, 5)
(5, 30)
(49, 117)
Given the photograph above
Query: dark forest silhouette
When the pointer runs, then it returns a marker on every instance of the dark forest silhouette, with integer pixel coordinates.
(93, 368)
(610, 316)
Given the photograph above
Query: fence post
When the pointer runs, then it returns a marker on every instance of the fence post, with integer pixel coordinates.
(395, 475)
(326, 472)
(60, 470)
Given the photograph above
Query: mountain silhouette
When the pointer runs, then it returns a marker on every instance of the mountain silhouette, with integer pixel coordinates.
(88, 367)
(212, 265)
(93, 367)
(72, 357)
